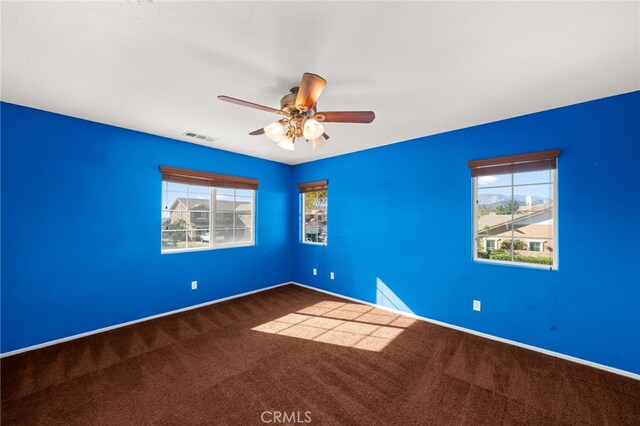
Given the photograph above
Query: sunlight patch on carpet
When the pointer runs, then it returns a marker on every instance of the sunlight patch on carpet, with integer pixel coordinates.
(343, 324)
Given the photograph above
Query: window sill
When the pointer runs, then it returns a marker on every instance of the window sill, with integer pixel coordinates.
(309, 243)
(517, 264)
(189, 250)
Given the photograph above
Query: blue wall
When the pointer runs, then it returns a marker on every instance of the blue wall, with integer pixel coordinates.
(81, 228)
(400, 218)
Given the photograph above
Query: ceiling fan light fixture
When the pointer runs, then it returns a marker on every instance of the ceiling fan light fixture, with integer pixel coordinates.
(275, 131)
(301, 116)
(287, 143)
(312, 129)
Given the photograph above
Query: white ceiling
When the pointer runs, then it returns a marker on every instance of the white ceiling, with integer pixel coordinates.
(423, 67)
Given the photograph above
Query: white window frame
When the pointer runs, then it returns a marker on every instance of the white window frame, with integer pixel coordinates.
(302, 224)
(212, 226)
(474, 237)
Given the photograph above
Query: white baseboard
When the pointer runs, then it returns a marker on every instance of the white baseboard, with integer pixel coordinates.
(487, 336)
(124, 324)
(444, 324)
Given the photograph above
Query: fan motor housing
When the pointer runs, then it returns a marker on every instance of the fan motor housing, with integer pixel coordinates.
(288, 104)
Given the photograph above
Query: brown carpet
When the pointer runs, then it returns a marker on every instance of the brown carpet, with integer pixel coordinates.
(310, 356)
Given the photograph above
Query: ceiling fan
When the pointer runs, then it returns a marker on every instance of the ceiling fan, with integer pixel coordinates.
(301, 119)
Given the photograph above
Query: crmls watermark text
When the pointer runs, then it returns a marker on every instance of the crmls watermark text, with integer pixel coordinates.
(285, 417)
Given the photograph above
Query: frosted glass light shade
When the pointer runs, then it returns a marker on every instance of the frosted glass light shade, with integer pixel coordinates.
(287, 143)
(274, 131)
(312, 129)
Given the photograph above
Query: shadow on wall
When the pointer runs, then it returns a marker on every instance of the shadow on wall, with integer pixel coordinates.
(387, 298)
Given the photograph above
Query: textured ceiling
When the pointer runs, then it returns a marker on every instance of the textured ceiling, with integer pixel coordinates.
(423, 67)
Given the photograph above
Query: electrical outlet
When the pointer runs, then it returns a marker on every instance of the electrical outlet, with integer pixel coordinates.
(333, 276)
(477, 305)
(194, 285)
(315, 271)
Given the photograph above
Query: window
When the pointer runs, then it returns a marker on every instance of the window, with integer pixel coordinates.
(535, 246)
(314, 212)
(205, 210)
(515, 209)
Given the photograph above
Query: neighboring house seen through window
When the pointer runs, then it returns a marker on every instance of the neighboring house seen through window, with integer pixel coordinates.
(206, 211)
(314, 212)
(515, 209)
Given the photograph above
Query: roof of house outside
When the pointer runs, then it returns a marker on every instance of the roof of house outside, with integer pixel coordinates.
(493, 220)
(203, 204)
(527, 232)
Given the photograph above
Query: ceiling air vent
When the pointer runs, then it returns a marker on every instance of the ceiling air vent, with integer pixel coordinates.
(199, 137)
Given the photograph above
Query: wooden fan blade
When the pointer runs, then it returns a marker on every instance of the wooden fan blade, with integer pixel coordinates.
(257, 132)
(345, 116)
(310, 88)
(248, 104)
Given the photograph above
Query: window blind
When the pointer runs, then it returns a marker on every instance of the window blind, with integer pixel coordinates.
(530, 162)
(319, 185)
(193, 177)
